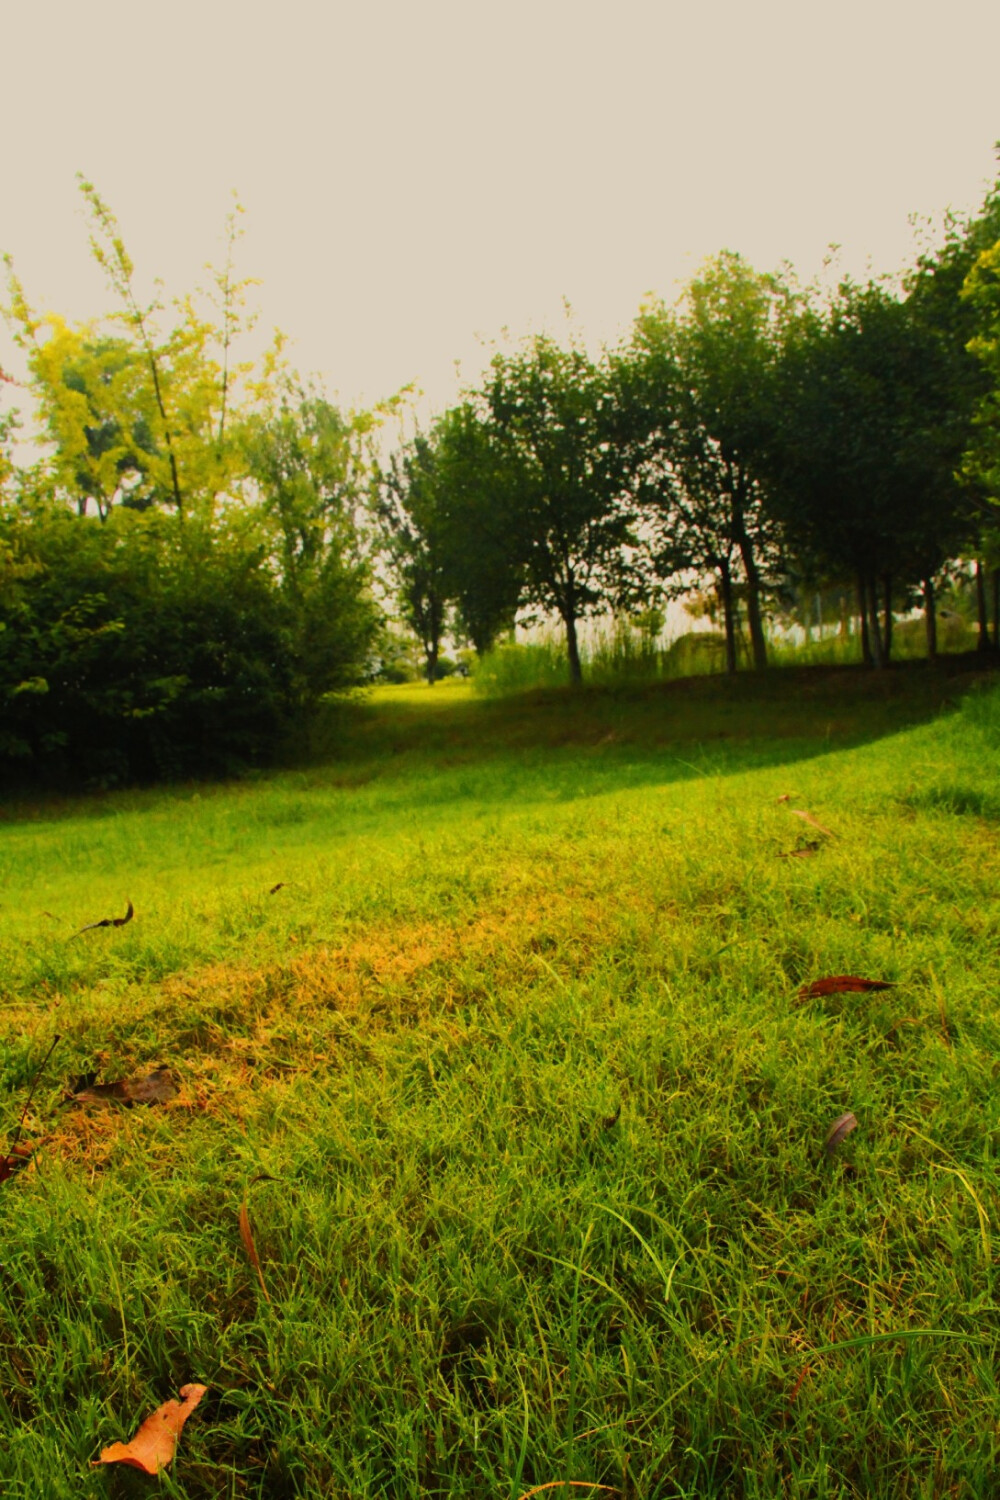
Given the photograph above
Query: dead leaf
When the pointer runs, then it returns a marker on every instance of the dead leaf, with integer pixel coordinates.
(153, 1446)
(276, 888)
(803, 852)
(19, 1153)
(246, 1235)
(807, 817)
(158, 1087)
(108, 922)
(843, 984)
(785, 797)
(842, 1125)
(571, 1484)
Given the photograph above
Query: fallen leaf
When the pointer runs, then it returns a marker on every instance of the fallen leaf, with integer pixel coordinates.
(158, 1087)
(802, 853)
(19, 1153)
(108, 922)
(842, 1125)
(785, 797)
(153, 1446)
(246, 1235)
(807, 817)
(843, 984)
(276, 888)
(571, 1484)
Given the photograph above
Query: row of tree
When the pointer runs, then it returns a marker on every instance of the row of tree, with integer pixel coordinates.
(755, 434)
(196, 558)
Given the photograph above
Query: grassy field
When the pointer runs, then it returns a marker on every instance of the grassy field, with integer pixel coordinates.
(518, 1047)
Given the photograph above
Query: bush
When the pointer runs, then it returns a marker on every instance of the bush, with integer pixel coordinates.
(144, 648)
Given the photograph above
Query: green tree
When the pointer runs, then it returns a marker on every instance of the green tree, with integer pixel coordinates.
(558, 481)
(868, 437)
(409, 519)
(480, 543)
(695, 389)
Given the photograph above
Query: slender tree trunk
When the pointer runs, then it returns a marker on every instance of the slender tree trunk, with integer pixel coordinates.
(887, 630)
(573, 647)
(432, 662)
(984, 642)
(996, 609)
(758, 644)
(875, 629)
(930, 617)
(728, 614)
(866, 644)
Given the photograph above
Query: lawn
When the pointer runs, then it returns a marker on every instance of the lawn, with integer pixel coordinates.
(488, 1017)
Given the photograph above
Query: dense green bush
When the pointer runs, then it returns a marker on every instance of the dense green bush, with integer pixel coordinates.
(146, 647)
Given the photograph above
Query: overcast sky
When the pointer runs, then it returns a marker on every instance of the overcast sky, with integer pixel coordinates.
(417, 173)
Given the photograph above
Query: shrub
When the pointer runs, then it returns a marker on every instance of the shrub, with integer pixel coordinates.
(144, 648)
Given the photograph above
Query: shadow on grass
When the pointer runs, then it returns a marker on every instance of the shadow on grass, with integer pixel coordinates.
(440, 747)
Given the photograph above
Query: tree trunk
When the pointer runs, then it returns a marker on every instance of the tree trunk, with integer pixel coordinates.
(758, 644)
(573, 648)
(930, 617)
(431, 653)
(984, 642)
(887, 631)
(996, 609)
(875, 629)
(728, 614)
(866, 644)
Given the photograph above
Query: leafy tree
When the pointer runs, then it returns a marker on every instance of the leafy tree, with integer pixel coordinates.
(867, 440)
(309, 466)
(695, 386)
(410, 523)
(558, 483)
(480, 547)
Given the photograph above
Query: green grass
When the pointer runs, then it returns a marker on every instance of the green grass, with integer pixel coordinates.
(520, 1046)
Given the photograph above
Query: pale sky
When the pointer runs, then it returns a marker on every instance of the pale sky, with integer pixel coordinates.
(419, 174)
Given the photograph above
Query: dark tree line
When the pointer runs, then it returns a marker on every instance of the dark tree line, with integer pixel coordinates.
(752, 434)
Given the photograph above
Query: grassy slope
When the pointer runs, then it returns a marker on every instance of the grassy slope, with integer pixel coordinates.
(502, 922)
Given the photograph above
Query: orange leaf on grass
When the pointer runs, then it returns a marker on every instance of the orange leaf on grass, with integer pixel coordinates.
(843, 984)
(153, 1446)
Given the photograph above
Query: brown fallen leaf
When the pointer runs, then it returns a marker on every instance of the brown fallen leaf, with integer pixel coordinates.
(842, 1125)
(246, 1233)
(153, 1446)
(158, 1087)
(811, 848)
(20, 1153)
(276, 888)
(570, 1484)
(785, 797)
(108, 922)
(807, 817)
(843, 984)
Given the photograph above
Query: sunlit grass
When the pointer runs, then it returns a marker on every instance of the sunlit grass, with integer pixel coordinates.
(519, 1042)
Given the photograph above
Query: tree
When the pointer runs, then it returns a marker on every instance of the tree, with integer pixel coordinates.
(559, 483)
(695, 387)
(868, 436)
(309, 466)
(479, 542)
(406, 502)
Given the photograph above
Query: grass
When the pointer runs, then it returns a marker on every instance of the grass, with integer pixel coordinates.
(620, 653)
(519, 1046)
